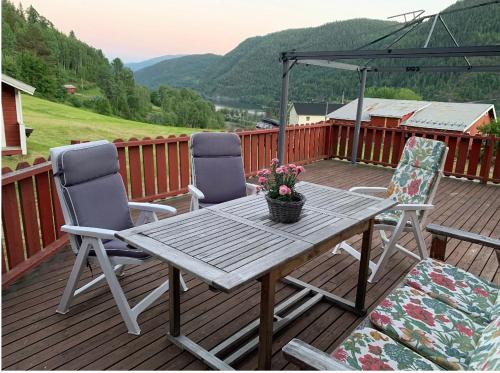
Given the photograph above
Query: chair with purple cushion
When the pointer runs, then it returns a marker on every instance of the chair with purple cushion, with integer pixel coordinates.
(95, 206)
(217, 169)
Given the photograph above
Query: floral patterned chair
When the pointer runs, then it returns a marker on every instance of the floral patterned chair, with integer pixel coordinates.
(413, 185)
(440, 318)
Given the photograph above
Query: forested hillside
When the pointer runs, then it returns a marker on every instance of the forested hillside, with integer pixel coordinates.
(134, 66)
(34, 51)
(251, 71)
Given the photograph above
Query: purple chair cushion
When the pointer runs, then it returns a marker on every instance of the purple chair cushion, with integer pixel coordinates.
(220, 179)
(92, 187)
(218, 167)
(120, 248)
(87, 163)
(99, 203)
(215, 144)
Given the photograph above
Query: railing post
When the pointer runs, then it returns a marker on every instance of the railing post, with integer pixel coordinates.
(487, 156)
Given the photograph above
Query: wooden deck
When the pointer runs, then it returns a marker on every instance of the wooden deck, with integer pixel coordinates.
(93, 336)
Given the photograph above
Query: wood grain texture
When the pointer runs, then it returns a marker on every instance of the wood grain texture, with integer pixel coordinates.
(92, 335)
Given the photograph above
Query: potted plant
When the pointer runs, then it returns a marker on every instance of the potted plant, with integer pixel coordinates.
(284, 202)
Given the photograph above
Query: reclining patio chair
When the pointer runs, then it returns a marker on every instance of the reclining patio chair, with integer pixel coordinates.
(217, 170)
(95, 205)
(413, 185)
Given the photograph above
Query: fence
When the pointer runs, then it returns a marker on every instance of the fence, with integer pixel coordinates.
(157, 168)
(471, 157)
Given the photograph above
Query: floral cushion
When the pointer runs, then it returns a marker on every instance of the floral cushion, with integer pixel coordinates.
(415, 174)
(369, 349)
(430, 327)
(423, 153)
(486, 356)
(459, 289)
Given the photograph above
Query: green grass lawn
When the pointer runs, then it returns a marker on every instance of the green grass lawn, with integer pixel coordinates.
(57, 124)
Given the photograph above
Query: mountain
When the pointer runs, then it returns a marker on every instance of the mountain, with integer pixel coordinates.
(187, 71)
(134, 66)
(251, 72)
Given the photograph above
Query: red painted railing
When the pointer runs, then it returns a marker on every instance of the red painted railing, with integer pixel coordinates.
(157, 168)
(471, 157)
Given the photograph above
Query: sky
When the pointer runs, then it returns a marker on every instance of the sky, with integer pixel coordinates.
(136, 30)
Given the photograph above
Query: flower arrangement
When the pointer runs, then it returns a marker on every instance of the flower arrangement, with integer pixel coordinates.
(284, 202)
(279, 181)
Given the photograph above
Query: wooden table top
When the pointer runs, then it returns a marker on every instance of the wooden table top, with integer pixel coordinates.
(232, 243)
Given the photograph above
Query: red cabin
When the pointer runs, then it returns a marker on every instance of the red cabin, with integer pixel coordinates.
(70, 88)
(13, 130)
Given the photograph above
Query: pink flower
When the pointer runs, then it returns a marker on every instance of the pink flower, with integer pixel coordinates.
(412, 142)
(275, 161)
(292, 165)
(262, 180)
(280, 170)
(386, 303)
(300, 169)
(481, 292)
(464, 330)
(265, 171)
(284, 190)
(379, 318)
(340, 354)
(414, 187)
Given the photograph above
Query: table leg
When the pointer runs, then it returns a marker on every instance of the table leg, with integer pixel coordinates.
(268, 287)
(174, 295)
(364, 262)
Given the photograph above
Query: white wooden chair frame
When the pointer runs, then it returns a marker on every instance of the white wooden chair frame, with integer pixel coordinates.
(197, 194)
(409, 222)
(92, 239)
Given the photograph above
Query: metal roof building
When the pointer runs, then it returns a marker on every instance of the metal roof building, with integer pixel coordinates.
(378, 107)
(445, 116)
(451, 116)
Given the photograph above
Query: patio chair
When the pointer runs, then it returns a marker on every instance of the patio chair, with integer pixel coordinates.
(217, 170)
(414, 185)
(95, 205)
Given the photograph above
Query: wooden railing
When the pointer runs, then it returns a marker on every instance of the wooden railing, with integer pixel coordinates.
(471, 157)
(154, 169)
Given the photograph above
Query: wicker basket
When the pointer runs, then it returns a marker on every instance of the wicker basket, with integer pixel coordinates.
(285, 212)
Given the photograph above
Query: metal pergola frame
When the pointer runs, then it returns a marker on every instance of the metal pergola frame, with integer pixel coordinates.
(330, 59)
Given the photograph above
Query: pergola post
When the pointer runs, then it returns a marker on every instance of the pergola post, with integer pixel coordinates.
(359, 113)
(283, 110)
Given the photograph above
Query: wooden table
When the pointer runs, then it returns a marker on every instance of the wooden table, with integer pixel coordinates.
(230, 244)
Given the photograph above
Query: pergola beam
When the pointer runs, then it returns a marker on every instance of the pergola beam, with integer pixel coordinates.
(327, 59)
(473, 51)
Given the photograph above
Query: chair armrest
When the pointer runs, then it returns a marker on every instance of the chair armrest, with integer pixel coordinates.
(464, 236)
(368, 190)
(152, 207)
(251, 189)
(308, 357)
(103, 234)
(413, 207)
(195, 192)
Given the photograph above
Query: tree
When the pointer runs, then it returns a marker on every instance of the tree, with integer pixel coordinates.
(492, 128)
(392, 93)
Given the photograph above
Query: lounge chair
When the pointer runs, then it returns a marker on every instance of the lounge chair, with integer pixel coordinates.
(414, 185)
(95, 205)
(217, 169)
(440, 317)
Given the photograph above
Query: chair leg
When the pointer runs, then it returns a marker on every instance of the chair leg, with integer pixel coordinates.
(116, 289)
(353, 252)
(422, 248)
(388, 248)
(183, 284)
(76, 272)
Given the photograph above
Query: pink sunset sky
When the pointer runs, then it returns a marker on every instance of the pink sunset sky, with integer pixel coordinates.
(138, 30)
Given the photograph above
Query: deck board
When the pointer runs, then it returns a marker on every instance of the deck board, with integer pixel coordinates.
(93, 336)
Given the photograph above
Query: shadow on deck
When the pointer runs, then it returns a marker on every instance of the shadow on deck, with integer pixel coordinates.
(93, 336)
